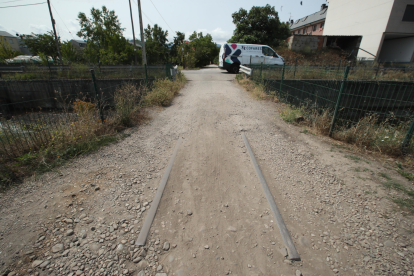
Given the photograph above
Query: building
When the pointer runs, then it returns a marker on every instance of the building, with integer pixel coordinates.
(11, 39)
(79, 44)
(387, 27)
(310, 25)
(138, 43)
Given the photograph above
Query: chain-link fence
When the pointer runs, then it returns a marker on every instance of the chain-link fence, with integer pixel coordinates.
(353, 97)
(36, 103)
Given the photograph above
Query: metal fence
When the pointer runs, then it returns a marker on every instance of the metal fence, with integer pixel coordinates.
(37, 102)
(348, 94)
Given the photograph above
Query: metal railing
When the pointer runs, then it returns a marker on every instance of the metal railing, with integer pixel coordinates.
(349, 94)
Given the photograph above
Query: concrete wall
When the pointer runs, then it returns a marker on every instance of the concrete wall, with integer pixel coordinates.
(43, 95)
(368, 18)
(306, 42)
(395, 23)
(397, 50)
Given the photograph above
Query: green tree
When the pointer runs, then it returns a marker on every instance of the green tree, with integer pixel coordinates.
(42, 44)
(205, 49)
(178, 41)
(70, 53)
(156, 44)
(261, 25)
(104, 37)
(6, 50)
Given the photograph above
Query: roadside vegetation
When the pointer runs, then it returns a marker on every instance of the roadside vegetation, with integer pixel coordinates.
(85, 134)
(369, 135)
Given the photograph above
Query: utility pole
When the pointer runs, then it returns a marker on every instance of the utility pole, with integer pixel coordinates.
(54, 31)
(133, 33)
(144, 55)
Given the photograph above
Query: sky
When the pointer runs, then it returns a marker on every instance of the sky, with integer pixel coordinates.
(207, 16)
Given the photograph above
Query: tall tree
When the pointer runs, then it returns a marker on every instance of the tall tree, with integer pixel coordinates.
(103, 34)
(205, 49)
(178, 41)
(261, 25)
(42, 44)
(156, 44)
(70, 53)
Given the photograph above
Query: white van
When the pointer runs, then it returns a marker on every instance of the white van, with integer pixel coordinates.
(232, 55)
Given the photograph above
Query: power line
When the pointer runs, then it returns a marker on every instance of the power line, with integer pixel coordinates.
(22, 5)
(144, 13)
(12, 1)
(62, 21)
(162, 17)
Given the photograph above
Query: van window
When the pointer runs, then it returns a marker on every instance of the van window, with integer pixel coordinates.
(267, 51)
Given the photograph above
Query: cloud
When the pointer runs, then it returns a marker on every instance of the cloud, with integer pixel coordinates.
(219, 35)
(39, 29)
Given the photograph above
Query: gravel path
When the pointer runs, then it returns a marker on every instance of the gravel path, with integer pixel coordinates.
(214, 218)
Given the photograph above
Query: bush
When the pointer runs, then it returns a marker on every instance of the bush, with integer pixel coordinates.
(127, 103)
(164, 91)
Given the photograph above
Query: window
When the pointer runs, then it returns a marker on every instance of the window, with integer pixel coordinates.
(322, 25)
(304, 31)
(314, 28)
(11, 41)
(409, 13)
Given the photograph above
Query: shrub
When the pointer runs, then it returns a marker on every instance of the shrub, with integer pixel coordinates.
(127, 103)
(164, 91)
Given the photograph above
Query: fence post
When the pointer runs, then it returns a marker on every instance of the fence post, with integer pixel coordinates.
(339, 65)
(96, 96)
(281, 81)
(296, 64)
(146, 75)
(338, 102)
(261, 69)
(408, 137)
(379, 63)
(250, 61)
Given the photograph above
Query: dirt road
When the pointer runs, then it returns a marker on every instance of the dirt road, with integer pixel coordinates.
(214, 218)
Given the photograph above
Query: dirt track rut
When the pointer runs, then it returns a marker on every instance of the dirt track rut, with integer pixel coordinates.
(213, 213)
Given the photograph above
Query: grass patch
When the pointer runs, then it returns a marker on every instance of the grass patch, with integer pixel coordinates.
(407, 175)
(290, 114)
(164, 91)
(408, 201)
(356, 159)
(384, 175)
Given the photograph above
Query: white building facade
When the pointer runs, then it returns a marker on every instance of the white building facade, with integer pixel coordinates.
(386, 27)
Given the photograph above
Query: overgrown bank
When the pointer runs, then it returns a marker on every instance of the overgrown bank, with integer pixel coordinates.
(40, 151)
(369, 135)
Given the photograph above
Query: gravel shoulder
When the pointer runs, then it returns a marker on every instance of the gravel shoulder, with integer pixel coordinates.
(213, 218)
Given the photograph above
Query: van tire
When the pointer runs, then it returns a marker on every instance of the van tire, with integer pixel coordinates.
(235, 68)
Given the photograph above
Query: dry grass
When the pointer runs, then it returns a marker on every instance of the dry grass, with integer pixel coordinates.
(164, 91)
(36, 147)
(257, 91)
(369, 134)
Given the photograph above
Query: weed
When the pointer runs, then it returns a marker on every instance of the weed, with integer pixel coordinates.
(406, 202)
(384, 175)
(290, 114)
(407, 175)
(356, 159)
(164, 91)
(127, 103)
